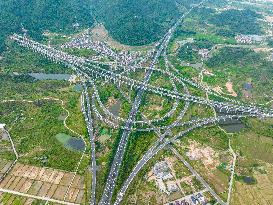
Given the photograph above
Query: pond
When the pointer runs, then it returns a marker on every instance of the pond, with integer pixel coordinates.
(75, 144)
(71, 143)
(45, 76)
(3, 135)
(115, 108)
(78, 87)
(231, 125)
(249, 180)
(248, 86)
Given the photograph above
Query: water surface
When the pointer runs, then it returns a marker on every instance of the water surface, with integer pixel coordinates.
(45, 76)
(115, 108)
(75, 144)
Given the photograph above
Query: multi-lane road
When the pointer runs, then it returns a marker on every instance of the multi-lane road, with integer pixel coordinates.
(111, 181)
(112, 177)
(95, 71)
(76, 63)
(88, 119)
(91, 70)
(205, 184)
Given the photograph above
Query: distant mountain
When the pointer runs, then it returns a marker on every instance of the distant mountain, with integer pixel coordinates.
(136, 22)
(39, 15)
(132, 22)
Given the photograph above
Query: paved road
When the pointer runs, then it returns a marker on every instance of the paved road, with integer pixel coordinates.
(96, 71)
(110, 184)
(111, 181)
(159, 145)
(219, 200)
(232, 172)
(88, 119)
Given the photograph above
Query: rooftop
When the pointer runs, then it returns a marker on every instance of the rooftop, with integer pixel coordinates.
(161, 170)
(2, 126)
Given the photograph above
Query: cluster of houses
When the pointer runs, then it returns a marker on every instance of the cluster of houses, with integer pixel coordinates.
(249, 39)
(271, 57)
(204, 53)
(194, 199)
(166, 184)
(84, 41)
(163, 176)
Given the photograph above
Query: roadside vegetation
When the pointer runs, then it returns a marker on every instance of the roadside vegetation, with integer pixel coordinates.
(21, 60)
(39, 16)
(34, 125)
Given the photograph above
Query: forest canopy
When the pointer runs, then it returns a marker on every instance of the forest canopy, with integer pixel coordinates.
(130, 22)
(136, 22)
(238, 21)
(39, 15)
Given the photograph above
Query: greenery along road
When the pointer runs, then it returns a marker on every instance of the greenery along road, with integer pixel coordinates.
(38, 16)
(61, 16)
(122, 19)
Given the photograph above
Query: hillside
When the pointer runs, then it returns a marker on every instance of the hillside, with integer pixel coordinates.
(37, 16)
(129, 22)
(136, 22)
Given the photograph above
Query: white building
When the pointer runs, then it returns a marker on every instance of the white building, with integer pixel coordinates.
(161, 185)
(73, 79)
(2, 126)
(161, 171)
(245, 39)
(204, 53)
(249, 39)
(172, 186)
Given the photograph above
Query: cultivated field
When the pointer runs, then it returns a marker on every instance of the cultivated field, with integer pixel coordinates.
(44, 182)
(4, 166)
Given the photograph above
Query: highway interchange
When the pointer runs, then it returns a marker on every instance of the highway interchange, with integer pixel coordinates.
(86, 109)
(117, 73)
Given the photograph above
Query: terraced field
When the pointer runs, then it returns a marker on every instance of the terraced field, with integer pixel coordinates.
(45, 182)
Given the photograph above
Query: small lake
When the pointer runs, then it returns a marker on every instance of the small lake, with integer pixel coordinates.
(75, 144)
(78, 87)
(231, 125)
(115, 108)
(45, 76)
(249, 180)
(71, 143)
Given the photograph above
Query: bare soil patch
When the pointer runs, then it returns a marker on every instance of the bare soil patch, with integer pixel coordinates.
(99, 33)
(229, 87)
(45, 182)
(204, 153)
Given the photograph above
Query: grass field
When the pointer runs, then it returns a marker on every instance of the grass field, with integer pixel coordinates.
(37, 123)
(259, 193)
